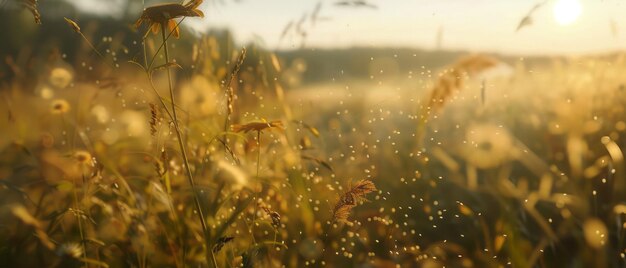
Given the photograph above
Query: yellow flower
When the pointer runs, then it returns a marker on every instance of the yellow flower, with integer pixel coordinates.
(164, 14)
(72, 250)
(487, 146)
(60, 77)
(60, 106)
(257, 126)
(83, 157)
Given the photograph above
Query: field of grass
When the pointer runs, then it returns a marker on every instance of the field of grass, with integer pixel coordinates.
(201, 153)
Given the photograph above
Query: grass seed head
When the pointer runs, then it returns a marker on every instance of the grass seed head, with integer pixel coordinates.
(59, 106)
(350, 199)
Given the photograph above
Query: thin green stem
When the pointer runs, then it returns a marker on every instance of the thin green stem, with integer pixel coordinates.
(148, 67)
(183, 151)
(91, 45)
(104, 59)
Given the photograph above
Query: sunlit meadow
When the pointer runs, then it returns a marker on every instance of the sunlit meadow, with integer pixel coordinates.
(133, 140)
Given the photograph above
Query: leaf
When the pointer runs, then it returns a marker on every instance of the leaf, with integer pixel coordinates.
(165, 66)
(22, 213)
(95, 241)
(216, 201)
(12, 187)
(72, 24)
(310, 128)
(138, 64)
(319, 162)
(273, 243)
(233, 217)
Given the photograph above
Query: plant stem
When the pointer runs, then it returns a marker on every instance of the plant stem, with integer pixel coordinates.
(256, 194)
(258, 152)
(79, 220)
(205, 230)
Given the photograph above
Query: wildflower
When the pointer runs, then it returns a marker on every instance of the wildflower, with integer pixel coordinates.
(60, 106)
(100, 113)
(488, 146)
(164, 15)
(72, 250)
(199, 94)
(134, 123)
(60, 77)
(595, 233)
(45, 92)
(257, 126)
(83, 157)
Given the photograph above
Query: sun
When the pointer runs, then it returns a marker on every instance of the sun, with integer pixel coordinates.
(567, 11)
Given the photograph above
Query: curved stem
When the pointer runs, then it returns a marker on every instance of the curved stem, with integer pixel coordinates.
(183, 151)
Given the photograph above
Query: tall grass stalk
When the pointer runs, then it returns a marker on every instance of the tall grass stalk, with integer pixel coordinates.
(183, 151)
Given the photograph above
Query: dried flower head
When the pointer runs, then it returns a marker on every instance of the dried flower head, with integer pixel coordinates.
(164, 14)
(83, 157)
(454, 77)
(257, 126)
(350, 199)
(160, 165)
(273, 215)
(72, 250)
(59, 106)
(154, 119)
(221, 242)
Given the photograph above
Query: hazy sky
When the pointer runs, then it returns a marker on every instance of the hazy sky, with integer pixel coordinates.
(478, 25)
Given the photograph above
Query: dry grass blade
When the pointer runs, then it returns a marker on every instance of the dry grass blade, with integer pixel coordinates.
(351, 198)
(286, 30)
(312, 129)
(356, 4)
(527, 20)
(72, 24)
(316, 13)
(21, 213)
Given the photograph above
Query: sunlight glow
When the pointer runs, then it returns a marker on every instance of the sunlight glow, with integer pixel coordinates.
(567, 11)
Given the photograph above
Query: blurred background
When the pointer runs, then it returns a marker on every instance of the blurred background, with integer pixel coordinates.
(492, 131)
